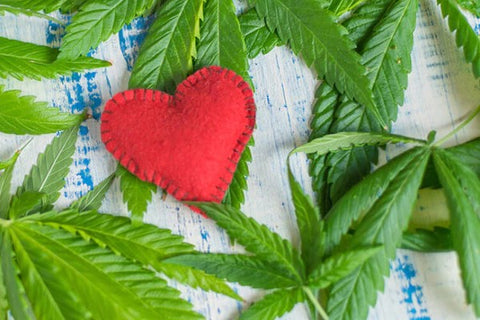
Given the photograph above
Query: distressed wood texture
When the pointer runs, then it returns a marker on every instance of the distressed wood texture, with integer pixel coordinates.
(441, 91)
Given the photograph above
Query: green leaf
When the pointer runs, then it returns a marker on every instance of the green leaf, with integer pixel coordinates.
(111, 286)
(313, 32)
(468, 154)
(26, 12)
(274, 305)
(221, 42)
(136, 193)
(381, 206)
(72, 5)
(386, 55)
(197, 279)
(35, 5)
(33, 61)
(3, 290)
(5, 183)
(246, 270)
(437, 240)
(235, 195)
(96, 22)
(165, 57)
(258, 39)
(340, 7)
(24, 203)
(465, 36)
(22, 115)
(9, 162)
(93, 199)
(322, 118)
(383, 31)
(339, 266)
(256, 238)
(19, 304)
(362, 22)
(48, 175)
(44, 296)
(144, 242)
(309, 224)
(347, 140)
(462, 187)
(471, 5)
(334, 174)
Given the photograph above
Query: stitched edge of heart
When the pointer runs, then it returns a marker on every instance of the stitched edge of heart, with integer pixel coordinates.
(152, 176)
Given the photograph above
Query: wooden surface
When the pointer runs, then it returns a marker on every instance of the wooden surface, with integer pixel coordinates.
(441, 91)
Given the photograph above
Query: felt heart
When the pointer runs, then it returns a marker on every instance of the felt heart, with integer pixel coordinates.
(188, 144)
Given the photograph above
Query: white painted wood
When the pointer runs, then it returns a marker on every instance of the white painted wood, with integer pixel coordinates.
(442, 90)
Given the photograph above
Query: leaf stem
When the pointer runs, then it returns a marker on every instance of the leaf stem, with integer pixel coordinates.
(315, 303)
(460, 127)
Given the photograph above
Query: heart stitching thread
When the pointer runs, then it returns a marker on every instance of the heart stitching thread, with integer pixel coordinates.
(121, 100)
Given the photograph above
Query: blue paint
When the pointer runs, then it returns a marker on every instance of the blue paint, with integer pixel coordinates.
(56, 31)
(83, 131)
(131, 38)
(413, 296)
(205, 235)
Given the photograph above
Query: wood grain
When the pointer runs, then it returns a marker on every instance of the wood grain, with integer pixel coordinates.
(441, 91)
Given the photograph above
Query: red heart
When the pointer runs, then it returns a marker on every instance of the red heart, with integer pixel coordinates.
(188, 144)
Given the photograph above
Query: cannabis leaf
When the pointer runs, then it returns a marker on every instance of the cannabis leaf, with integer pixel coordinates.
(197, 279)
(29, 13)
(72, 6)
(165, 58)
(246, 270)
(235, 195)
(470, 5)
(18, 302)
(340, 7)
(48, 175)
(322, 118)
(312, 31)
(339, 266)
(309, 224)
(22, 115)
(221, 42)
(468, 154)
(35, 5)
(437, 240)
(24, 203)
(70, 264)
(5, 182)
(462, 187)
(256, 238)
(383, 31)
(258, 38)
(274, 304)
(385, 200)
(96, 22)
(145, 243)
(114, 288)
(93, 199)
(27, 60)
(275, 263)
(346, 140)
(466, 38)
(136, 193)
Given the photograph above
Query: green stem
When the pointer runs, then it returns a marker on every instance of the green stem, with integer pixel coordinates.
(315, 303)
(460, 127)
